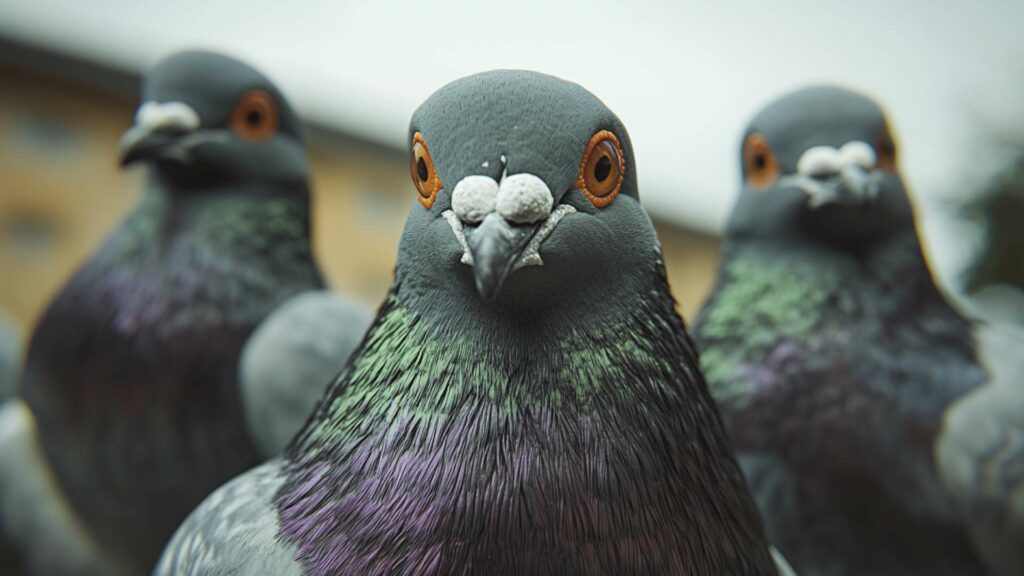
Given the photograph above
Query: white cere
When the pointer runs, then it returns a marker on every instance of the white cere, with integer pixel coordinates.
(524, 199)
(819, 161)
(473, 198)
(858, 153)
(826, 161)
(167, 115)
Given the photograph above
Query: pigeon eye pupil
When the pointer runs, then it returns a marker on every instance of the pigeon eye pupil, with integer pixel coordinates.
(759, 163)
(256, 116)
(886, 151)
(423, 172)
(602, 169)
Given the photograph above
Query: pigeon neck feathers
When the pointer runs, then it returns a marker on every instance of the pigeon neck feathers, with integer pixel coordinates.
(452, 444)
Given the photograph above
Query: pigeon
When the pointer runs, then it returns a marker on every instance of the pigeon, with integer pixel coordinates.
(830, 350)
(134, 385)
(981, 449)
(527, 400)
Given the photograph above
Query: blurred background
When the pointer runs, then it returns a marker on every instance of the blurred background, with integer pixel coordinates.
(684, 76)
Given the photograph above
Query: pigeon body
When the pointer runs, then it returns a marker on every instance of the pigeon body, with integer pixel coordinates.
(133, 371)
(981, 450)
(527, 400)
(830, 350)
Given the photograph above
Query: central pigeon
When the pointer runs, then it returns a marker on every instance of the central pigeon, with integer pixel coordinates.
(134, 377)
(830, 350)
(527, 400)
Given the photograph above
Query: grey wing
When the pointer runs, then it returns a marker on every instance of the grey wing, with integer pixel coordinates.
(981, 455)
(234, 532)
(35, 518)
(291, 358)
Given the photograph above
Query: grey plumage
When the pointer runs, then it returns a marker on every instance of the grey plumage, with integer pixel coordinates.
(981, 450)
(290, 359)
(527, 400)
(229, 533)
(981, 453)
(133, 373)
(830, 350)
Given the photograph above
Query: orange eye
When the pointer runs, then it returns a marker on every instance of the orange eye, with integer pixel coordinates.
(424, 174)
(885, 148)
(602, 169)
(255, 117)
(759, 163)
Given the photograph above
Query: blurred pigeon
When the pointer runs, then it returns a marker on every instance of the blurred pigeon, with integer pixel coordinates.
(831, 351)
(527, 400)
(132, 374)
(981, 450)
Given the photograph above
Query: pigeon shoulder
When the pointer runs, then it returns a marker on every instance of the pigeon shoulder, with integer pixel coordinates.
(234, 531)
(291, 358)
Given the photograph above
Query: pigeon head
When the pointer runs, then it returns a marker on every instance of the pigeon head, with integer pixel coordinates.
(207, 119)
(820, 165)
(527, 194)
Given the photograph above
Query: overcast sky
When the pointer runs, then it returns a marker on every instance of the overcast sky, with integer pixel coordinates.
(684, 76)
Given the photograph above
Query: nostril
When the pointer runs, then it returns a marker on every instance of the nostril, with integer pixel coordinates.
(524, 198)
(819, 162)
(474, 198)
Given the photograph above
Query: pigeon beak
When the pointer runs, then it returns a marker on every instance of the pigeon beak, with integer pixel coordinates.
(158, 130)
(143, 143)
(851, 186)
(496, 245)
(856, 186)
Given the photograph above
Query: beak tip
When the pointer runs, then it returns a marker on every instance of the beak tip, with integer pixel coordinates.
(488, 287)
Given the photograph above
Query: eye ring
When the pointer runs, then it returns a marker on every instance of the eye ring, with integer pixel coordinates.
(255, 117)
(423, 172)
(602, 169)
(885, 150)
(760, 166)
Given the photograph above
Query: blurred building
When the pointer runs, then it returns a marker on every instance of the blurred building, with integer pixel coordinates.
(61, 190)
